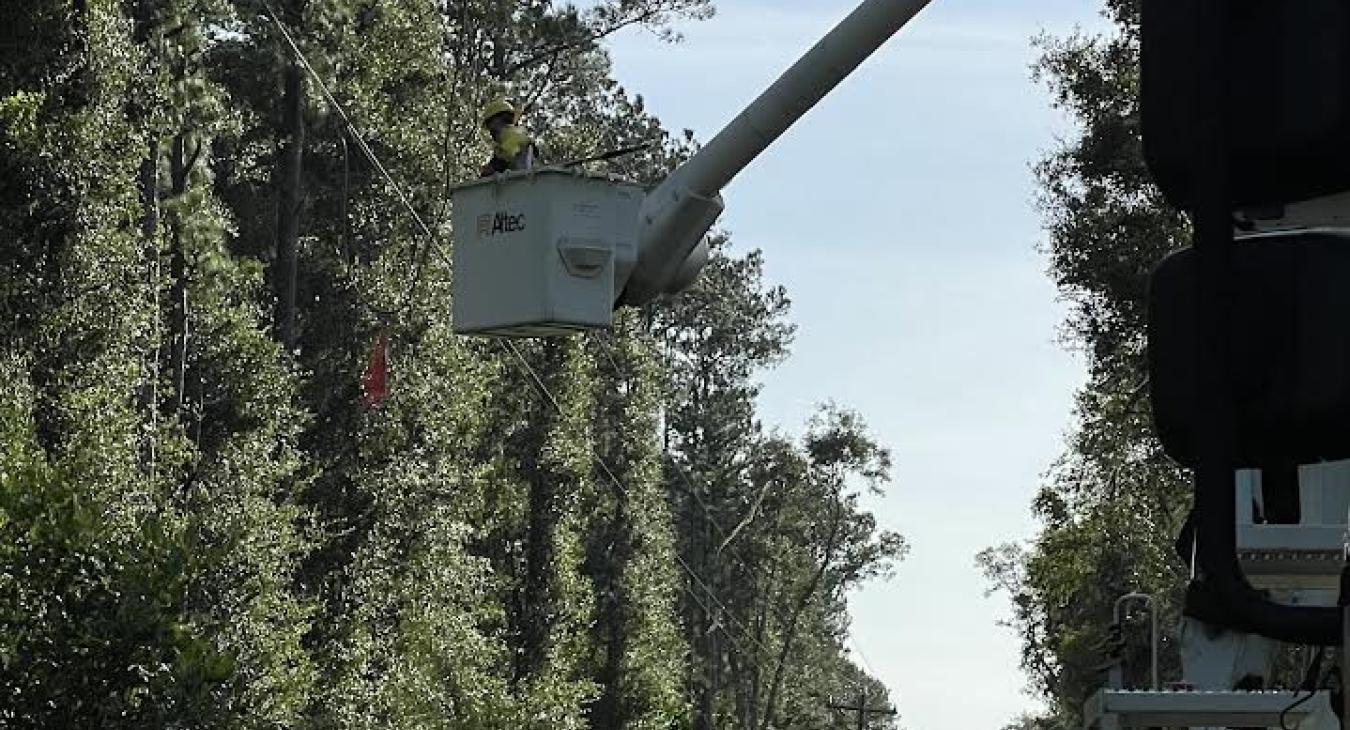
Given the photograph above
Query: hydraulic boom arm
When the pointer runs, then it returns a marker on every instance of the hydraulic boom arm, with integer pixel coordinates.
(677, 214)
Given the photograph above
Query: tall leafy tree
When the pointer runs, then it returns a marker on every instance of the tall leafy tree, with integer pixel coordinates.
(91, 633)
(767, 525)
(151, 415)
(638, 652)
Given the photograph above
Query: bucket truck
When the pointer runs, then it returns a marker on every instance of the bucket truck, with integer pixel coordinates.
(1249, 341)
(554, 250)
(1245, 106)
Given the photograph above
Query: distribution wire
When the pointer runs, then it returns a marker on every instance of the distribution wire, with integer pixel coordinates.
(690, 489)
(866, 664)
(684, 477)
(351, 126)
(683, 474)
(510, 346)
(506, 345)
(355, 133)
(599, 459)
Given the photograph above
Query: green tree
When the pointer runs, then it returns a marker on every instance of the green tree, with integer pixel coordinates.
(813, 544)
(638, 649)
(728, 327)
(113, 587)
(92, 612)
(767, 525)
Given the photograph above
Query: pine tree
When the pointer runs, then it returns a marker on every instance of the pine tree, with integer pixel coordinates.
(95, 595)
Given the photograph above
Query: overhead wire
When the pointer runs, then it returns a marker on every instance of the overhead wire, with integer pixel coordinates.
(694, 596)
(366, 151)
(599, 459)
(683, 474)
(351, 126)
(507, 346)
(857, 648)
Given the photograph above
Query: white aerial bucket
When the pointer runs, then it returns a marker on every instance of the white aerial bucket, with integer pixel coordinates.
(535, 252)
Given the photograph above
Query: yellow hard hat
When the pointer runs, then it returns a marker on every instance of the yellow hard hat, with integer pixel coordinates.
(495, 107)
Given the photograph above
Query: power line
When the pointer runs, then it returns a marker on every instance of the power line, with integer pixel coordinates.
(356, 134)
(407, 203)
(683, 474)
(863, 710)
(717, 624)
(689, 487)
(866, 664)
(351, 126)
(599, 459)
(506, 345)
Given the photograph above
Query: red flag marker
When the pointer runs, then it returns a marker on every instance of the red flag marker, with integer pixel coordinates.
(375, 381)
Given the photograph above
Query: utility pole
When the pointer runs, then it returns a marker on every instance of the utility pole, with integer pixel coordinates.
(864, 712)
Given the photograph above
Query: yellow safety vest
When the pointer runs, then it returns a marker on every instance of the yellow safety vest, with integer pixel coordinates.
(513, 142)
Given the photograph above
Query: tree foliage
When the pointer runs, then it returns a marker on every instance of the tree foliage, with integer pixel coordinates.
(202, 521)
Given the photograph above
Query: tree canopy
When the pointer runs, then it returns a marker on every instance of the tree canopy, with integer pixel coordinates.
(203, 521)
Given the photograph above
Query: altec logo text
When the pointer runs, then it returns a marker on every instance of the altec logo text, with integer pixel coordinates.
(502, 222)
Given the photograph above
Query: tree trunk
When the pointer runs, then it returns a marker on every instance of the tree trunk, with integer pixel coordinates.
(711, 647)
(701, 615)
(538, 592)
(610, 711)
(746, 671)
(702, 640)
(790, 632)
(289, 181)
(150, 235)
(538, 586)
(180, 167)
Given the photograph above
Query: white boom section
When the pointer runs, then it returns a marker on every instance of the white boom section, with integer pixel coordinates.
(677, 214)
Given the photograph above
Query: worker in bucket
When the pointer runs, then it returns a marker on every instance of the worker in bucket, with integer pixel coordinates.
(512, 147)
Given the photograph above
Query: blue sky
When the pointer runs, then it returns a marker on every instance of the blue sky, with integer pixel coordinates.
(900, 216)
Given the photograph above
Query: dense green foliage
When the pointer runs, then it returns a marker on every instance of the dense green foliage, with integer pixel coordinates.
(203, 524)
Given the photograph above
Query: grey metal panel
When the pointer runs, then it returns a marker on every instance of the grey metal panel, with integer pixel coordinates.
(1325, 492)
(1197, 709)
(1248, 483)
(1291, 538)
